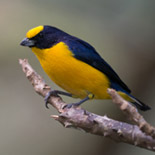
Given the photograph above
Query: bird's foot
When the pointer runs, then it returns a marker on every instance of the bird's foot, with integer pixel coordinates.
(48, 95)
(78, 103)
(54, 93)
(68, 106)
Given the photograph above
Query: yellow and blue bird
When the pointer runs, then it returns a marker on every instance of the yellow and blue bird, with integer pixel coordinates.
(75, 66)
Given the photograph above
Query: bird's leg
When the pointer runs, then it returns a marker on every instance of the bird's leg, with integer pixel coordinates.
(54, 93)
(90, 96)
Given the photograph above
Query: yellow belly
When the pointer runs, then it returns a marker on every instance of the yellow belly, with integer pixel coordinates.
(71, 74)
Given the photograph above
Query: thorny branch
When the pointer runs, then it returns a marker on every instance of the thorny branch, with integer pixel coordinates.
(142, 134)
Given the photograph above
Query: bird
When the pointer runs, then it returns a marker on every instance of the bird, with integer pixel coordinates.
(75, 66)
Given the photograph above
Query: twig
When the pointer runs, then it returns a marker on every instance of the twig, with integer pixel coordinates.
(89, 122)
(132, 113)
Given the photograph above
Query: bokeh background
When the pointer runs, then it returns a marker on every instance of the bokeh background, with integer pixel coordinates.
(122, 31)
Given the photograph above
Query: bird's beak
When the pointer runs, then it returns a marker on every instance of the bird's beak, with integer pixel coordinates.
(27, 42)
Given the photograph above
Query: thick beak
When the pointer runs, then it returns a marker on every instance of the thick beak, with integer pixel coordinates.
(27, 42)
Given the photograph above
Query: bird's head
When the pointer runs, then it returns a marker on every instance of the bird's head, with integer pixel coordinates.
(43, 37)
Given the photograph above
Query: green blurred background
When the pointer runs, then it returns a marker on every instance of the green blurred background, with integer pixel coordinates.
(122, 31)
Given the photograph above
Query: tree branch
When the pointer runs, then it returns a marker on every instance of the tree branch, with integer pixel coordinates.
(141, 135)
(132, 113)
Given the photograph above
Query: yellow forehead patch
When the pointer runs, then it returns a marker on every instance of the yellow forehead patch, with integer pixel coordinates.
(33, 32)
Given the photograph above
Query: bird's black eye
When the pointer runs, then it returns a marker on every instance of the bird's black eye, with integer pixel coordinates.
(41, 35)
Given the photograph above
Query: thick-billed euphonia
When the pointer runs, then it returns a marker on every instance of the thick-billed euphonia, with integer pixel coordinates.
(75, 66)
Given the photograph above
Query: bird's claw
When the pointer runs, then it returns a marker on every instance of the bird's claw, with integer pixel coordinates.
(68, 106)
(46, 103)
(51, 92)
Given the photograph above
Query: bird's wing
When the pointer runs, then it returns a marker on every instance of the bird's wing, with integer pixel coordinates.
(86, 53)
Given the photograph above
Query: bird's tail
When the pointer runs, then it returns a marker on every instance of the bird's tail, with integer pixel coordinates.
(140, 105)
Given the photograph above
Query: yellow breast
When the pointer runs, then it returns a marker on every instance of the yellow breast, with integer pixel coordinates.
(71, 74)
